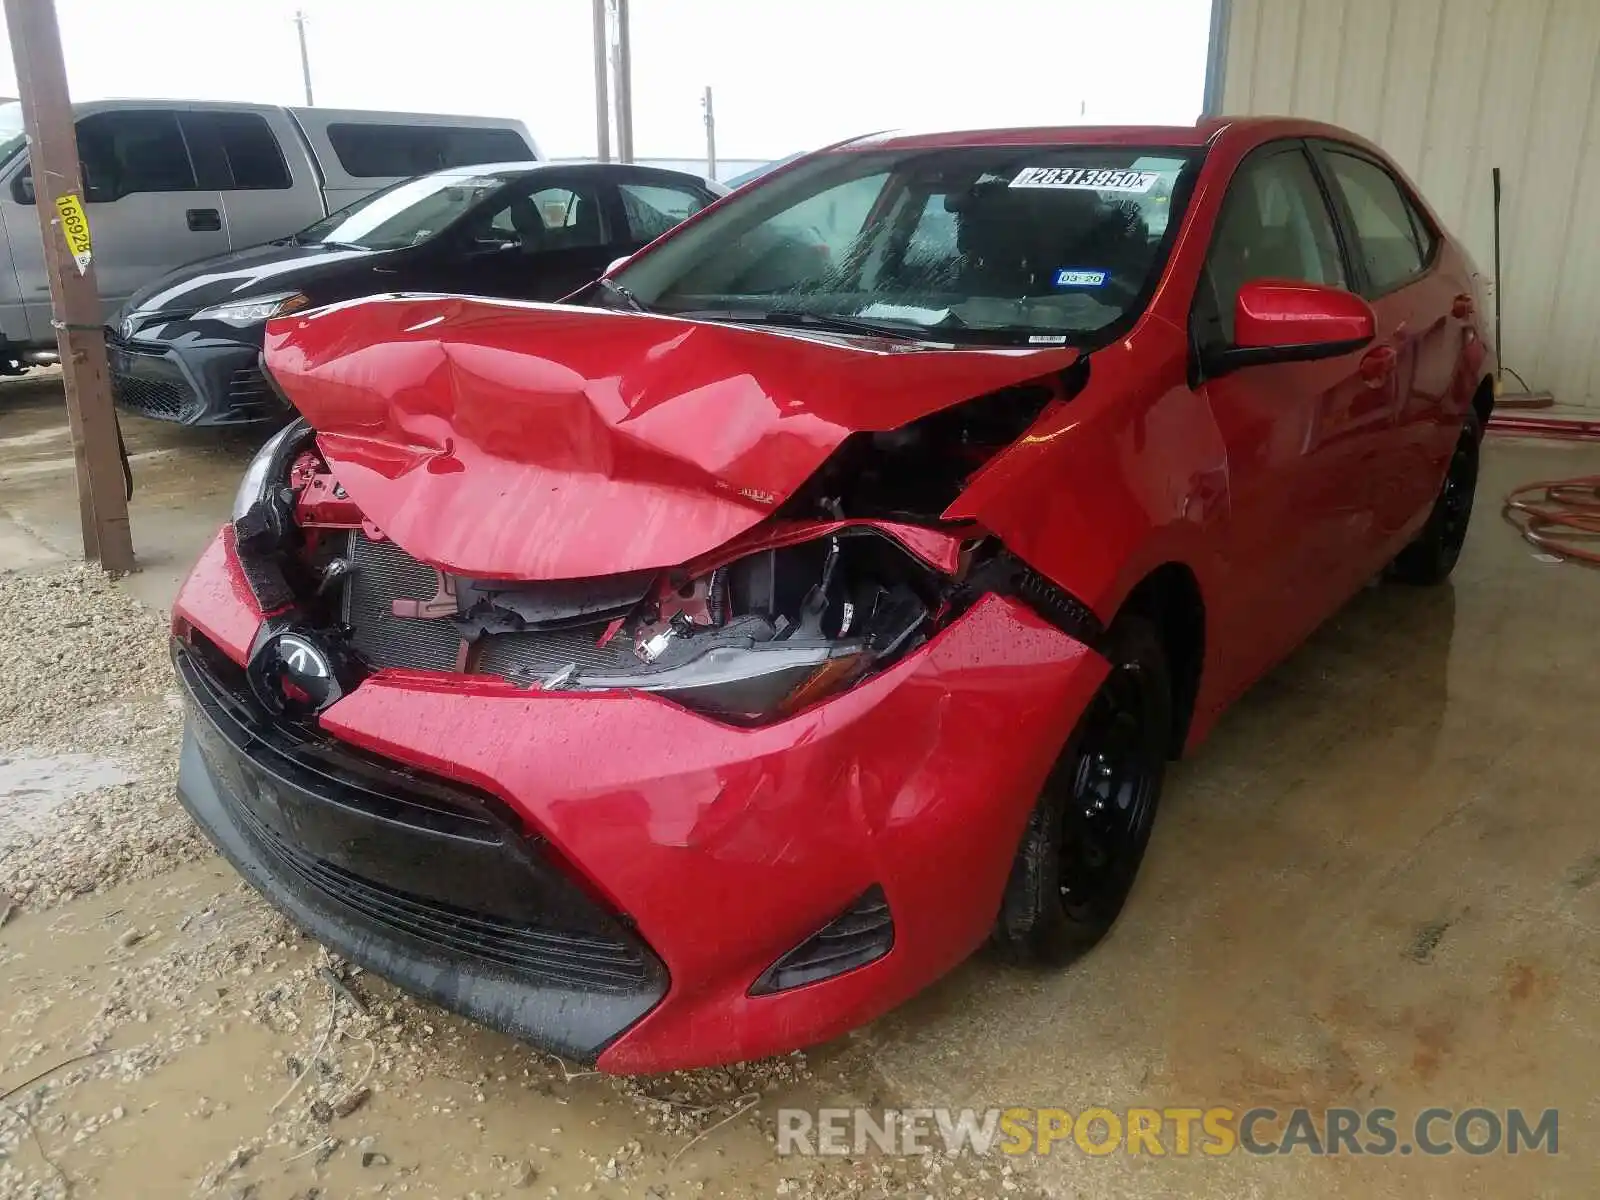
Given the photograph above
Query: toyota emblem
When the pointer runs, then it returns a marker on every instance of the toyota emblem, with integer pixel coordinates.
(295, 673)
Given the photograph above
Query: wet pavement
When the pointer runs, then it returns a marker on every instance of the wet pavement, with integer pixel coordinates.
(1377, 885)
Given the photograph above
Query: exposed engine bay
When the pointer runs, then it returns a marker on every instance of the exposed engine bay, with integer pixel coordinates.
(747, 640)
(830, 591)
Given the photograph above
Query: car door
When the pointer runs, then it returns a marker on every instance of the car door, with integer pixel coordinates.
(1396, 251)
(649, 203)
(146, 210)
(1298, 435)
(266, 193)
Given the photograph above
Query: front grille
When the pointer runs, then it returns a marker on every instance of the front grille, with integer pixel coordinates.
(376, 785)
(529, 657)
(412, 856)
(383, 574)
(153, 397)
(596, 963)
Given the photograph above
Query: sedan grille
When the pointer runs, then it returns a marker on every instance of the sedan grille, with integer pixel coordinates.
(384, 573)
(154, 397)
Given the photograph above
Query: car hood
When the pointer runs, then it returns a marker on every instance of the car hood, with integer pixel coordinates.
(532, 441)
(242, 274)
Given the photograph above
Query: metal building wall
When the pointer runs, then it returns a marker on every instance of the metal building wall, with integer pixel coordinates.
(1452, 89)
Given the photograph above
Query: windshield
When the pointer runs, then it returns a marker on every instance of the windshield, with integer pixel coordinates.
(1032, 243)
(12, 137)
(404, 214)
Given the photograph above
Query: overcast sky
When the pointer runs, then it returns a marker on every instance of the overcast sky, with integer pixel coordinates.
(788, 74)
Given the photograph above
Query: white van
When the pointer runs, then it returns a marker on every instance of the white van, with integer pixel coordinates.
(167, 182)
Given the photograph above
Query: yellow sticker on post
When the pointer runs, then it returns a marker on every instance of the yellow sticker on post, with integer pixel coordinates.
(75, 227)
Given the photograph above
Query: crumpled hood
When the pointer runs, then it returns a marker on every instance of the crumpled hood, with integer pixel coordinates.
(530, 441)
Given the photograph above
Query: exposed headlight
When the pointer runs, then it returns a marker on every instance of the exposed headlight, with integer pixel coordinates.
(771, 634)
(254, 311)
(268, 470)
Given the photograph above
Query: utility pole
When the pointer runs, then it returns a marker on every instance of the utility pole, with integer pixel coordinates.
(75, 302)
(624, 85)
(711, 137)
(602, 85)
(305, 55)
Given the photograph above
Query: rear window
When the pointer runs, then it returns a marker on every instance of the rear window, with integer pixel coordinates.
(254, 159)
(388, 151)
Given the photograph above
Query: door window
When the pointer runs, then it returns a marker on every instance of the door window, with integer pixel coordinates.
(1387, 226)
(235, 151)
(652, 209)
(1274, 224)
(386, 151)
(136, 150)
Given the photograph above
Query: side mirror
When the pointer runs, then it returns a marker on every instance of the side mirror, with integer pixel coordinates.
(22, 188)
(1278, 321)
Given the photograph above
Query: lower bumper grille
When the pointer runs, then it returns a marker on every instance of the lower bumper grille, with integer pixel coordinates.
(591, 962)
(394, 856)
(153, 397)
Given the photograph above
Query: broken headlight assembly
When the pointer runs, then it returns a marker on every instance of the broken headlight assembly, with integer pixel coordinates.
(771, 633)
(268, 471)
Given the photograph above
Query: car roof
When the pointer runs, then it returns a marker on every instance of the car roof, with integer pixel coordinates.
(1203, 132)
(517, 170)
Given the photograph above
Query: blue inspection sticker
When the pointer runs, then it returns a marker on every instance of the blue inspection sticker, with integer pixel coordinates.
(1068, 277)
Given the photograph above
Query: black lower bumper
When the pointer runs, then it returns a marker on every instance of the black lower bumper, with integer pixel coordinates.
(199, 384)
(423, 883)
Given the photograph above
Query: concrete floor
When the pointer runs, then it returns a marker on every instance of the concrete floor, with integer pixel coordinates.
(1375, 886)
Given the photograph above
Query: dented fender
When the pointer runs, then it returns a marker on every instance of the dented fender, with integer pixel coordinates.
(1075, 497)
(729, 846)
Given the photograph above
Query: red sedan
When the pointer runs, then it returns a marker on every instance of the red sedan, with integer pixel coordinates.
(697, 670)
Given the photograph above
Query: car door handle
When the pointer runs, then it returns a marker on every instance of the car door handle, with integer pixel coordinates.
(1462, 308)
(1377, 365)
(203, 220)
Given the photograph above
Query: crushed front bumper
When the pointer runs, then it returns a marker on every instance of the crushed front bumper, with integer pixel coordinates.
(718, 850)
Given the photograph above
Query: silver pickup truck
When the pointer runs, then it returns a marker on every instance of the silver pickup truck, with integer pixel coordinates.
(167, 182)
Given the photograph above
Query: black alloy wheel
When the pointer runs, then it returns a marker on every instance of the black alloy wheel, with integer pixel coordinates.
(1087, 835)
(1433, 554)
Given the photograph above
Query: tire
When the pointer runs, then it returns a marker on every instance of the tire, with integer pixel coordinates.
(1087, 834)
(1433, 554)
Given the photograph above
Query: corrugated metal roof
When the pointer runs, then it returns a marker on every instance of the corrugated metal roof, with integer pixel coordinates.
(1452, 89)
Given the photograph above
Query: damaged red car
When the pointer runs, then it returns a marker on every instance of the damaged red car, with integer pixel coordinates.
(696, 669)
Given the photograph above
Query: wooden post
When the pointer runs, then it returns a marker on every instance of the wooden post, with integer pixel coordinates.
(80, 338)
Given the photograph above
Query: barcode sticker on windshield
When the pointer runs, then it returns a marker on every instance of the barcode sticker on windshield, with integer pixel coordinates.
(1086, 179)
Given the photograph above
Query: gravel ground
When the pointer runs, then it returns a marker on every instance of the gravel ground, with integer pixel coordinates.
(87, 671)
(184, 1031)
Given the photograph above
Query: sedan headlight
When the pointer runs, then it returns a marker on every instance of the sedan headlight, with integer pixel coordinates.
(268, 470)
(254, 311)
(772, 633)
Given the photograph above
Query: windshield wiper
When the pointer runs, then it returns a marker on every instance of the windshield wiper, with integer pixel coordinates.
(612, 288)
(794, 318)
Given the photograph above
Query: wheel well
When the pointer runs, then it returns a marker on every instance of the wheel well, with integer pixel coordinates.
(1483, 402)
(1170, 598)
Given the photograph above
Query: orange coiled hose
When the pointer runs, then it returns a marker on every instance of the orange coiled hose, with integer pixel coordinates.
(1561, 516)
